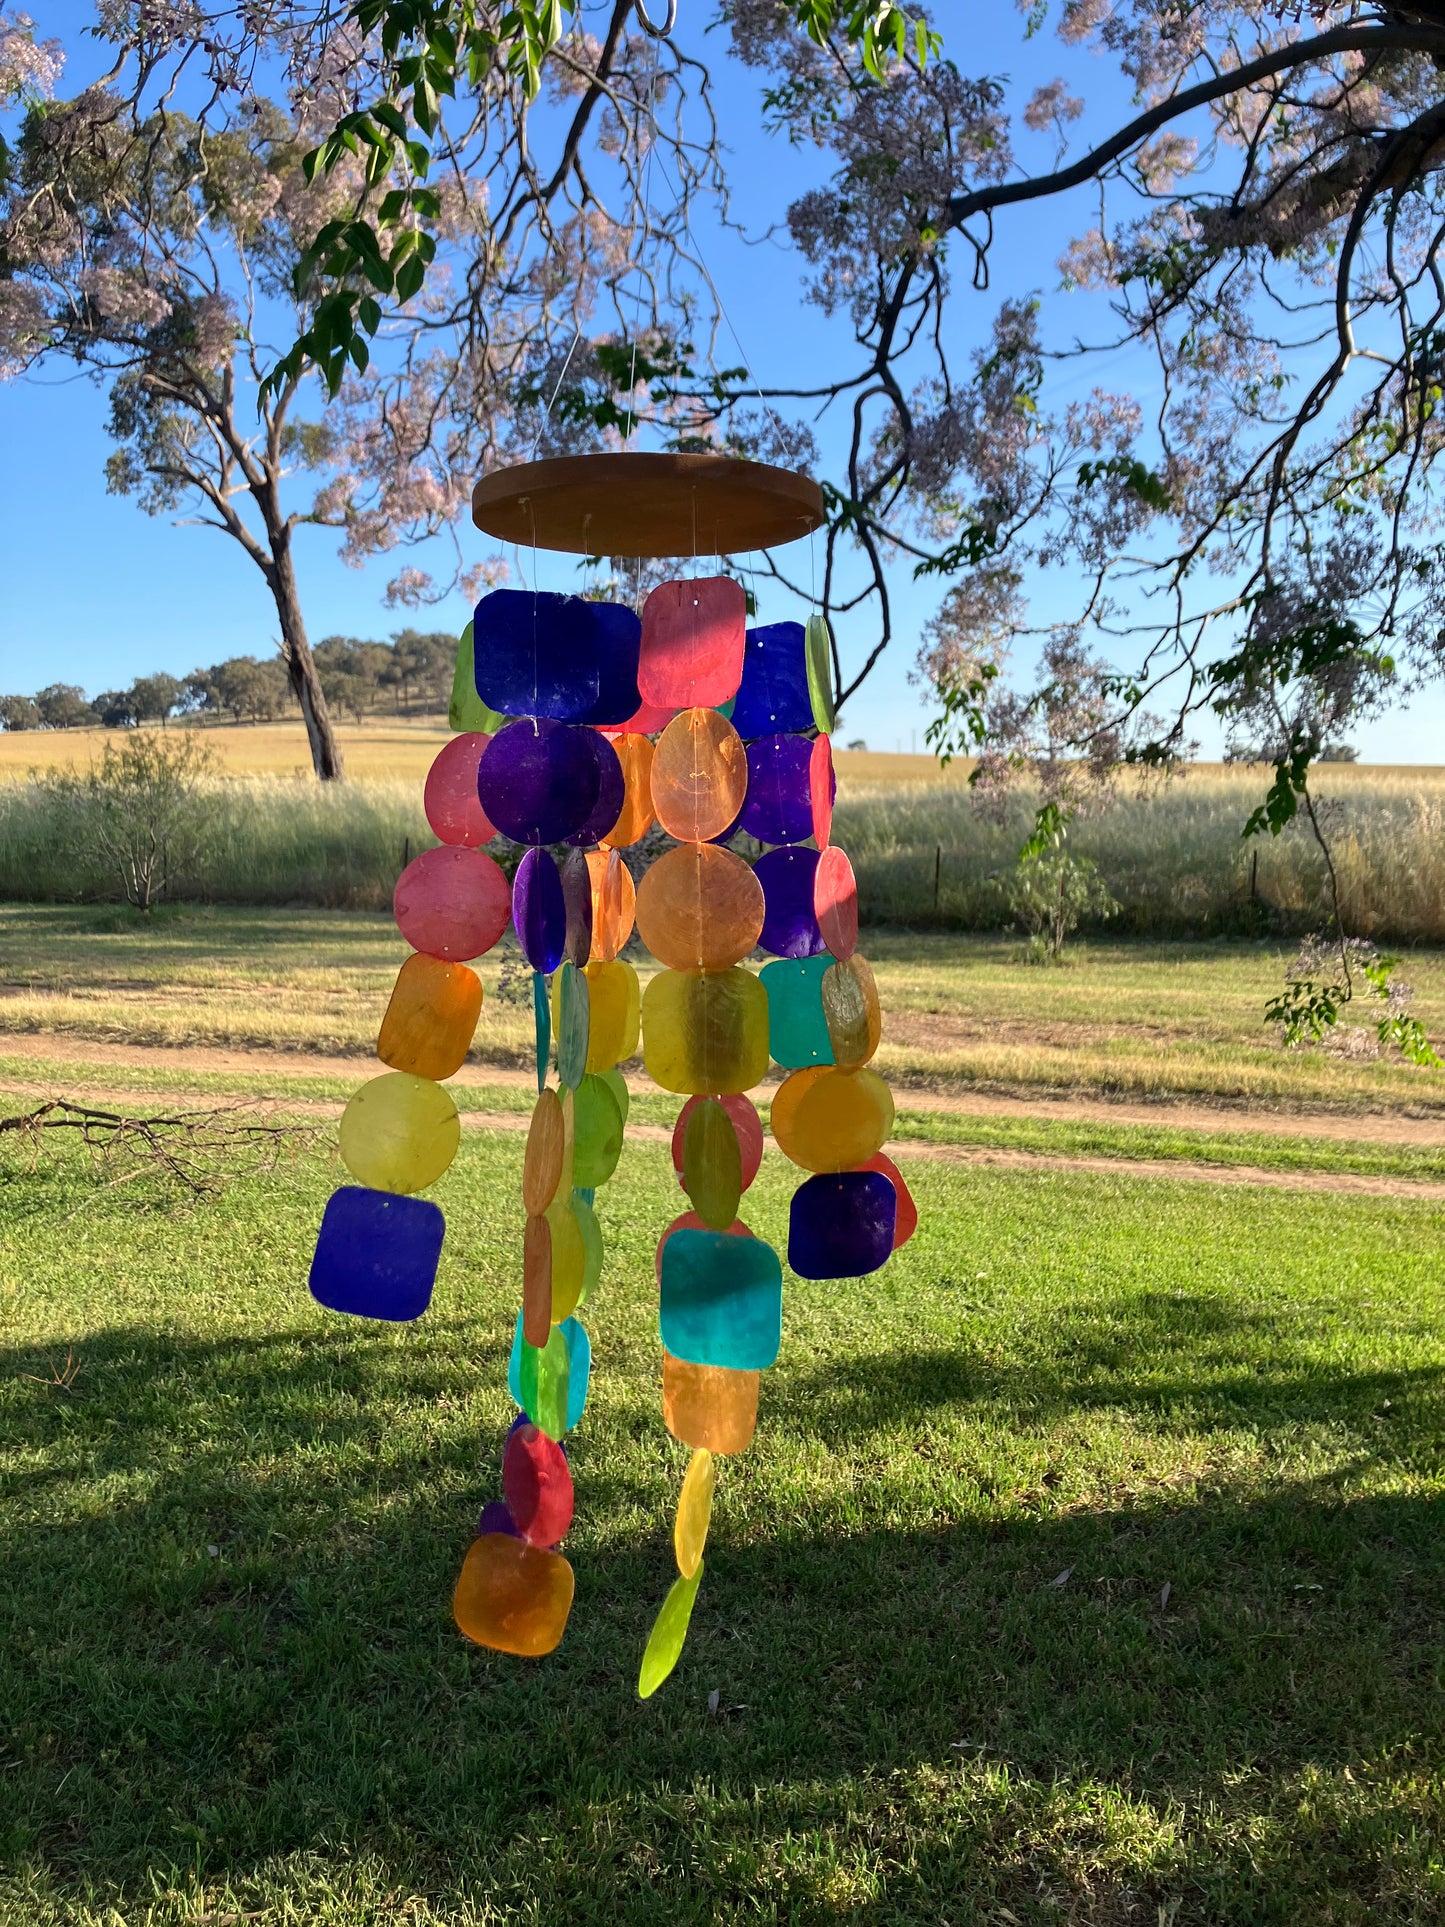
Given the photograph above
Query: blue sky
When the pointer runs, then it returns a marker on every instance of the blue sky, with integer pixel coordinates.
(96, 592)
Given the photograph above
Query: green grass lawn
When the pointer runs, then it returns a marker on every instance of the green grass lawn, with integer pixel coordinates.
(951, 1685)
(1131, 1019)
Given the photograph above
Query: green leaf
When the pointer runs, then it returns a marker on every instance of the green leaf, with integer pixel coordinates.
(1050, 829)
(1281, 802)
(410, 278)
(424, 105)
(970, 548)
(391, 116)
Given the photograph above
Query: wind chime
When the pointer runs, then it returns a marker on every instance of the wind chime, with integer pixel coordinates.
(600, 721)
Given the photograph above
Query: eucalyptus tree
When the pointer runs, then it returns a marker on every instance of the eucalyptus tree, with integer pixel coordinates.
(160, 230)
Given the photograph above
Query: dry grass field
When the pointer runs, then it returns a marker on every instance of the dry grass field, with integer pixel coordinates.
(375, 751)
(382, 749)
(401, 749)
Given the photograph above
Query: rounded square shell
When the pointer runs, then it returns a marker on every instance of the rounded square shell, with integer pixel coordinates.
(705, 1031)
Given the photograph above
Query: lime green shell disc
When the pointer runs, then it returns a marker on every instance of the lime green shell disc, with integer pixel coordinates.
(818, 645)
(468, 711)
(712, 1165)
(669, 1634)
(597, 1143)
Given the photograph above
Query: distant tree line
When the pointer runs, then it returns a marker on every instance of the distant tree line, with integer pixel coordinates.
(410, 675)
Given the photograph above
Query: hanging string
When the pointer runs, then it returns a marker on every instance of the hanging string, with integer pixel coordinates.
(783, 437)
(646, 197)
(547, 407)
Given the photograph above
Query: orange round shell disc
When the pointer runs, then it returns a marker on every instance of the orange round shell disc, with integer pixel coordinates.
(835, 901)
(831, 1120)
(647, 504)
(906, 1222)
(635, 753)
(614, 903)
(699, 907)
(699, 775)
(546, 1148)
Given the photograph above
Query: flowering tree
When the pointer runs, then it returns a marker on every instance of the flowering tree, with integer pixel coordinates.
(166, 250)
(1247, 521)
(1251, 531)
(146, 248)
(1266, 233)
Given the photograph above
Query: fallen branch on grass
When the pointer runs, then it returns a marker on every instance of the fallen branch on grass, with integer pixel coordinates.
(201, 1151)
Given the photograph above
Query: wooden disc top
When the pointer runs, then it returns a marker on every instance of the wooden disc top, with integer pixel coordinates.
(647, 505)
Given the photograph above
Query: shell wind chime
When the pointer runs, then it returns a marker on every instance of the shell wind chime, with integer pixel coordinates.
(582, 724)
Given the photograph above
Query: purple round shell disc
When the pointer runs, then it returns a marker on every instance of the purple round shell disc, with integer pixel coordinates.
(779, 805)
(539, 910)
(790, 924)
(497, 1517)
(611, 794)
(539, 780)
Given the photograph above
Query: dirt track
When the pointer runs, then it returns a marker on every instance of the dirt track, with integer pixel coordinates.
(1366, 1127)
(48, 1051)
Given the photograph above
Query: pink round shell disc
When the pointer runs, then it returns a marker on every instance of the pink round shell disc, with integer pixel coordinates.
(452, 903)
(822, 788)
(835, 902)
(745, 1121)
(450, 798)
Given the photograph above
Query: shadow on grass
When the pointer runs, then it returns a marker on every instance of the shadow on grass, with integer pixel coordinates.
(912, 1724)
(1191, 1361)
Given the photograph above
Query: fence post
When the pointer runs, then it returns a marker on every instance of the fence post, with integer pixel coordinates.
(937, 870)
(405, 852)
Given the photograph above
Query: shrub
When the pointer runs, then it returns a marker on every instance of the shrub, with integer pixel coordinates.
(144, 808)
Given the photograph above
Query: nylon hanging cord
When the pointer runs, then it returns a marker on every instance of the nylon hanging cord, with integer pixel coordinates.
(657, 34)
(662, 33)
(766, 406)
(547, 406)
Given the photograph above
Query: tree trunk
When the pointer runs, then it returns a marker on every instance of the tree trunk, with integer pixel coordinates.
(326, 755)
